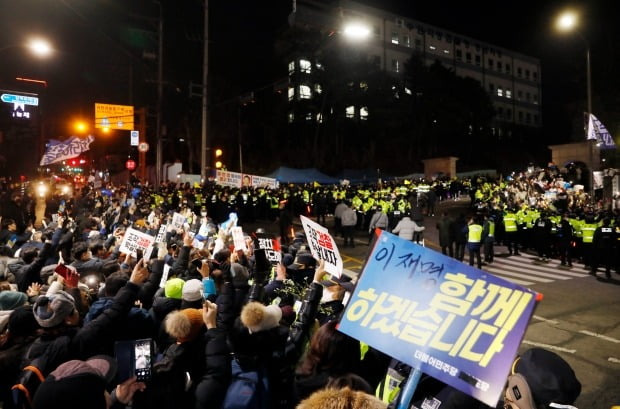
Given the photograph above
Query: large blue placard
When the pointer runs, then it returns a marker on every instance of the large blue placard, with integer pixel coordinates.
(456, 323)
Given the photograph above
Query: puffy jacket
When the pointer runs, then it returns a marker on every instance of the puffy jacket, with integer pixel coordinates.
(406, 228)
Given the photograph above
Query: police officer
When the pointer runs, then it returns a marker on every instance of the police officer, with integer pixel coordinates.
(474, 240)
(603, 244)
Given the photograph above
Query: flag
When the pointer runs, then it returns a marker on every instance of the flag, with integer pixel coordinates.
(58, 151)
(598, 132)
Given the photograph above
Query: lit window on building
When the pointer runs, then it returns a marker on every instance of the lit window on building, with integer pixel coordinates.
(350, 111)
(317, 88)
(305, 66)
(305, 92)
(364, 113)
(395, 65)
(363, 85)
(291, 93)
(508, 94)
(408, 91)
(319, 118)
(446, 51)
(291, 67)
(432, 47)
(394, 37)
(319, 66)
(406, 41)
(309, 116)
(500, 92)
(291, 117)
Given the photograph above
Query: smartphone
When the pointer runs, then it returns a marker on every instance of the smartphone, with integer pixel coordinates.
(139, 254)
(135, 358)
(197, 262)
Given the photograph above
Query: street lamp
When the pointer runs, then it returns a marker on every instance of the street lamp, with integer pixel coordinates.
(568, 21)
(356, 31)
(40, 47)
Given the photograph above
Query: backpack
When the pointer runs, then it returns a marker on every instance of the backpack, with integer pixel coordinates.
(28, 382)
(248, 389)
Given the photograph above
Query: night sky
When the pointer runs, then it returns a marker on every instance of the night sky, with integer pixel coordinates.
(100, 52)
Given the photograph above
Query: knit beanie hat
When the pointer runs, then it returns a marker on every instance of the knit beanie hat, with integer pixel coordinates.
(22, 322)
(192, 290)
(256, 317)
(9, 300)
(50, 311)
(174, 288)
(184, 325)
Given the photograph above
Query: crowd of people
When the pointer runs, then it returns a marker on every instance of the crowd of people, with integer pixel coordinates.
(217, 313)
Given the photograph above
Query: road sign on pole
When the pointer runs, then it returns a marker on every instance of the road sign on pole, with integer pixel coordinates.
(135, 138)
(143, 147)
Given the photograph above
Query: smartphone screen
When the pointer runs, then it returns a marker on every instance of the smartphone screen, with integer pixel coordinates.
(142, 359)
(197, 262)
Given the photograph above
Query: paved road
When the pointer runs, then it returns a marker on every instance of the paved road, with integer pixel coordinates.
(578, 318)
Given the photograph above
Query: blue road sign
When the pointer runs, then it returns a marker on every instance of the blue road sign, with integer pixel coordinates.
(19, 99)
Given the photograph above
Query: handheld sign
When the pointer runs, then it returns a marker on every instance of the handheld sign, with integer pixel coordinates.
(271, 246)
(238, 238)
(135, 240)
(178, 220)
(161, 234)
(322, 246)
(458, 324)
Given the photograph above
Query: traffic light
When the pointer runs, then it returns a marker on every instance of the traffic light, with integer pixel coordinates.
(218, 158)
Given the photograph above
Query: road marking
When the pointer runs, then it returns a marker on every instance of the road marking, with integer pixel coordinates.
(539, 318)
(614, 360)
(537, 344)
(594, 334)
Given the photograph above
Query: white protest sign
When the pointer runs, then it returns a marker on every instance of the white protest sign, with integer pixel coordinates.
(164, 276)
(161, 234)
(323, 246)
(177, 221)
(135, 240)
(238, 238)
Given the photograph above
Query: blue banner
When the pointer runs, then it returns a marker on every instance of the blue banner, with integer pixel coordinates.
(458, 324)
(58, 151)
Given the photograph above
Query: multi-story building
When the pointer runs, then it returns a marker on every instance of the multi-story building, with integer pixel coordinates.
(513, 80)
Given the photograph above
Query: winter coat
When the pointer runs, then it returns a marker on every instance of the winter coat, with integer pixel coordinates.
(406, 228)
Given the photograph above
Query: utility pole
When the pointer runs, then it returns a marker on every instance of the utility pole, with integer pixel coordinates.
(160, 91)
(204, 147)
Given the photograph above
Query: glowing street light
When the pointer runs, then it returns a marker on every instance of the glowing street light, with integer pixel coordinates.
(567, 21)
(40, 47)
(356, 31)
(80, 126)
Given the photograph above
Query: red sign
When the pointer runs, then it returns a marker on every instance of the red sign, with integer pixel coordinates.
(130, 164)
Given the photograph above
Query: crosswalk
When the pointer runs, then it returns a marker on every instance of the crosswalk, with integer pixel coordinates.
(527, 270)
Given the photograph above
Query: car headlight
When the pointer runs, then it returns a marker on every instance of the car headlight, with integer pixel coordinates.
(42, 190)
